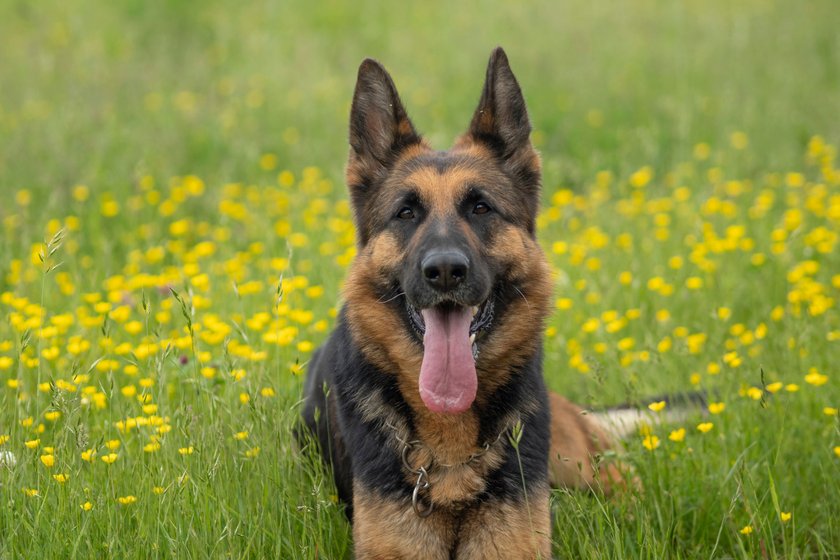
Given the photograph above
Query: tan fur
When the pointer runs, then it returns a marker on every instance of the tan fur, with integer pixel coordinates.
(379, 331)
(384, 340)
(458, 466)
(576, 441)
(440, 190)
(385, 529)
(454, 481)
(517, 335)
(508, 531)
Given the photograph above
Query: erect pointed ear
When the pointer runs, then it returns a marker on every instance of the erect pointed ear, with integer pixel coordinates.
(501, 119)
(379, 126)
(379, 132)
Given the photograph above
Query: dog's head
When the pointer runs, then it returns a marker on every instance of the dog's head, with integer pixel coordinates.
(447, 249)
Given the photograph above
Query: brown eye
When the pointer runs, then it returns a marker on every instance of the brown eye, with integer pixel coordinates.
(481, 208)
(405, 214)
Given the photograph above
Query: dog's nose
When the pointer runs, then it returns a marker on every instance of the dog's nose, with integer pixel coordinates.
(444, 270)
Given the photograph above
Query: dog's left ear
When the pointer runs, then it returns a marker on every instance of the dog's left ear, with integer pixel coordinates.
(380, 131)
(379, 125)
(501, 123)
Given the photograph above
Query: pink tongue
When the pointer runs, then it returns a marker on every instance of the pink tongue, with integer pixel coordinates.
(447, 376)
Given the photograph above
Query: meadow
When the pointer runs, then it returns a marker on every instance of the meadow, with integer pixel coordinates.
(175, 231)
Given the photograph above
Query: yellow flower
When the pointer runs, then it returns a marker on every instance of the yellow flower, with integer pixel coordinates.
(240, 436)
(677, 435)
(31, 492)
(694, 283)
(837, 450)
(81, 193)
(816, 378)
(657, 406)
(87, 506)
(626, 344)
(158, 490)
(563, 304)
(48, 460)
(88, 455)
(32, 443)
(253, 452)
(61, 477)
(739, 140)
(127, 500)
(705, 426)
(830, 411)
(113, 444)
(4, 438)
(244, 398)
(267, 392)
(151, 447)
(650, 442)
(186, 450)
(791, 387)
(716, 407)
(268, 162)
(785, 516)
(774, 387)
(590, 325)
(701, 151)
(755, 393)
(641, 177)
(746, 530)
(109, 458)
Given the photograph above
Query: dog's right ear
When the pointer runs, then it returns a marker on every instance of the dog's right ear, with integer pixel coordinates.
(379, 127)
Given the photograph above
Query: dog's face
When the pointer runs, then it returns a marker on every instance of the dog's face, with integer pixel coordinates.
(446, 239)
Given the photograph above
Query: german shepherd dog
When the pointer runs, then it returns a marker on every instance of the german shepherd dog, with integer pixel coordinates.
(428, 399)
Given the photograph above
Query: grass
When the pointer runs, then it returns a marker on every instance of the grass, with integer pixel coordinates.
(691, 212)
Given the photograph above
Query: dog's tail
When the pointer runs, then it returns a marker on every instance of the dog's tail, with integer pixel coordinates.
(621, 420)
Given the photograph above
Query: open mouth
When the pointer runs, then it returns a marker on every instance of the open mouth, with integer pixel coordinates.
(482, 319)
(451, 335)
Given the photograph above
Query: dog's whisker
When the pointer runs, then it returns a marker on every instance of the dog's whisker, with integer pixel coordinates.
(523, 296)
(380, 300)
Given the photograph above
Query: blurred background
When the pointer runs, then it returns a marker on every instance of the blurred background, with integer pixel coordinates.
(100, 92)
(691, 216)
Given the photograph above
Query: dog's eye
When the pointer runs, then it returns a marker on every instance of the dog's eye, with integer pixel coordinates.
(481, 208)
(405, 213)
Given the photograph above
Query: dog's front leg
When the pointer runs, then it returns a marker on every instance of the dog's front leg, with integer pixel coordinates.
(510, 530)
(386, 528)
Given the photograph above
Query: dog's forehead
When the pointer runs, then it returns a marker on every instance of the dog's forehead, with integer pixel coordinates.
(441, 178)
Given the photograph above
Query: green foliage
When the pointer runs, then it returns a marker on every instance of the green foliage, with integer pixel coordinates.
(175, 232)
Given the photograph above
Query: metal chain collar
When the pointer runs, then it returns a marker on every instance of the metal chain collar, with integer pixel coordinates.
(422, 488)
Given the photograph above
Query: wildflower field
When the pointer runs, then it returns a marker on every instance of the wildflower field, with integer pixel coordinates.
(174, 232)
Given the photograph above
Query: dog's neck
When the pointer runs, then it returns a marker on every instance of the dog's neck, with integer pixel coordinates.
(452, 474)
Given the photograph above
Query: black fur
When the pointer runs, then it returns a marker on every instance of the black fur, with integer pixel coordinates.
(357, 411)
(339, 377)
